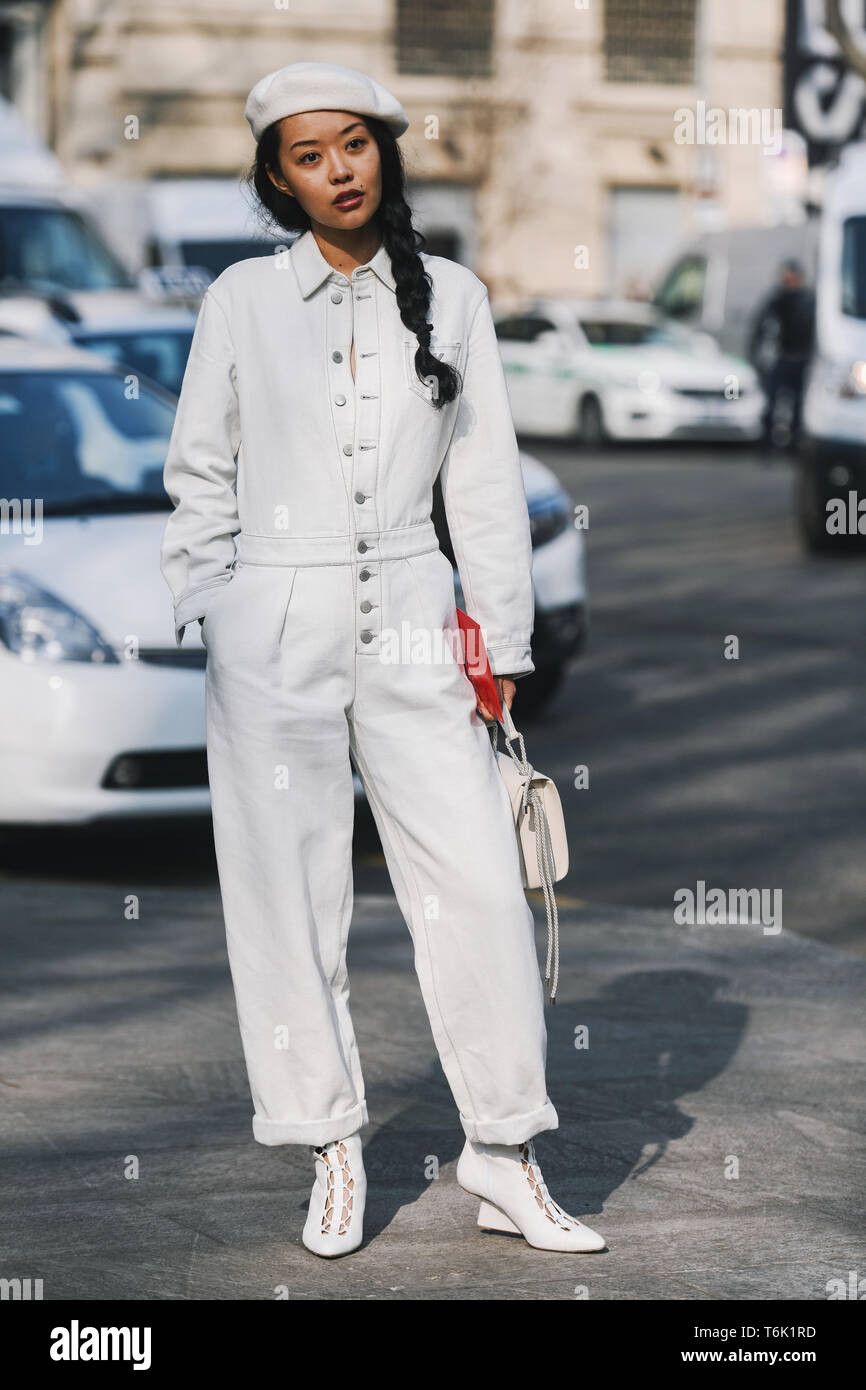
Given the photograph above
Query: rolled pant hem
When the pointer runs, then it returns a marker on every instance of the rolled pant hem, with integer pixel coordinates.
(511, 1131)
(310, 1131)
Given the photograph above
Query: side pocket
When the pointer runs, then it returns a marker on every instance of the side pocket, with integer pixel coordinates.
(216, 602)
(419, 586)
(433, 577)
(290, 589)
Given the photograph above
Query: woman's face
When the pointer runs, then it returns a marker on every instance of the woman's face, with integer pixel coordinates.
(324, 154)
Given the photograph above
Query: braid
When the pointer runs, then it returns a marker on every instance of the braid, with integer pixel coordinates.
(402, 241)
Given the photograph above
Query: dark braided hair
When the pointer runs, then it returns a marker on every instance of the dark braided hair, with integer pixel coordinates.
(402, 241)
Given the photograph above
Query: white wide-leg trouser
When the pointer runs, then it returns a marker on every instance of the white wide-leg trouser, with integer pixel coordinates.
(296, 677)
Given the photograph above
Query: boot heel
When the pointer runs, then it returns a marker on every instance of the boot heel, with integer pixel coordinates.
(492, 1219)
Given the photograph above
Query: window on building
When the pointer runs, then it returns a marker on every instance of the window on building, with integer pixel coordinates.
(650, 40)
(453, 38)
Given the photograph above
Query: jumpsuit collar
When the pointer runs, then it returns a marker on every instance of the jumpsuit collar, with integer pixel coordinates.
(312, 269)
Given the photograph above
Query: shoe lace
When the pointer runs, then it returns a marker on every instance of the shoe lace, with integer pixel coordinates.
(552, 1210)
(339, 1187)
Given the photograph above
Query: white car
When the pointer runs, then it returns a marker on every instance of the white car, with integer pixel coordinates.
(102, 715)
(154, 341)
(600, 370)
(155, 345)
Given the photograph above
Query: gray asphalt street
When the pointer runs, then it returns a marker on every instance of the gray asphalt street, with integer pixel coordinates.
(711, 1129)
(743, 773)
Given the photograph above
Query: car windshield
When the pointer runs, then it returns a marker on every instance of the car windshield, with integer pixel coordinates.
(634, 333)
(158, 353)
(79, 443)
(854, 267)
(53, 249)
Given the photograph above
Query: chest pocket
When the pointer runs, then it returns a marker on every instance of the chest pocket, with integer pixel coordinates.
(446, 352)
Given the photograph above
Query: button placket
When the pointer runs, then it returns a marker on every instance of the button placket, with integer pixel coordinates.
(365, 456)
(338, 338)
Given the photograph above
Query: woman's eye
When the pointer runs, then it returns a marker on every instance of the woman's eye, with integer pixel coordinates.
(357, 140)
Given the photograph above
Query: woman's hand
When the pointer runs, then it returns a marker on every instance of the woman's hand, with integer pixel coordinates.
(505, 688)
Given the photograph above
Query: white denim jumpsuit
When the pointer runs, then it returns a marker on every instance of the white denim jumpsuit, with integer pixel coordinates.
(302, 535)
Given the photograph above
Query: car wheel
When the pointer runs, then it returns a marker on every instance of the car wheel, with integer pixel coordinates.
(593, 434)
(20, 843)
(811, 510)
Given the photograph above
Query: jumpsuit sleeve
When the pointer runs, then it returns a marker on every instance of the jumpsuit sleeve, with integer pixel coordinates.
(200, 474)
(485, 505)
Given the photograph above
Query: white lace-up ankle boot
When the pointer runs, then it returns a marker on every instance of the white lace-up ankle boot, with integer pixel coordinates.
(514, 1198)
(335, 1220)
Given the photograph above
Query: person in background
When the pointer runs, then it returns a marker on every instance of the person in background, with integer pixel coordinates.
(780, 346)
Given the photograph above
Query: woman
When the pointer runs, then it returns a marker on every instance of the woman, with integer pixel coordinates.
(326, 387)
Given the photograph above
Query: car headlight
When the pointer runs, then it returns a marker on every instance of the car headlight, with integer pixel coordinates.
(646, 383)
(841, 378)
(855, 382)
(38, 626)
(625, 380)
(549, 517)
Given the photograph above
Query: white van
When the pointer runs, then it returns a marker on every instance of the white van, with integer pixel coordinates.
(833, 463)
(56, 265)
(197, 223)
(718, 282)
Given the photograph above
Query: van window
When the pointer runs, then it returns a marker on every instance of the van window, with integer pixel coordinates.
(681, 294)
(854, 267)
(216, 255)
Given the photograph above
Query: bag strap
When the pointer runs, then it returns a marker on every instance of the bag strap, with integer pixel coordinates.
(543, 847)
(512, 733)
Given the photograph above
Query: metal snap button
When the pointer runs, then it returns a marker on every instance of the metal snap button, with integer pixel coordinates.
(336, 297)
(360, 496)
(336, 356)
(362, 546)
(366, 635)
(366, 606)
(347, 448)
(340, 400)
(365, 574)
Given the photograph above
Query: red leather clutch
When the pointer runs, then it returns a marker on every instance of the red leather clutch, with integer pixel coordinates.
(476, 662)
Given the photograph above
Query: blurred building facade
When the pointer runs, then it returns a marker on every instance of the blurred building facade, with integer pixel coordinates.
(542, 148)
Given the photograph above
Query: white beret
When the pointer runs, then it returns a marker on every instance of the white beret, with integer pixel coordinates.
(320, 87)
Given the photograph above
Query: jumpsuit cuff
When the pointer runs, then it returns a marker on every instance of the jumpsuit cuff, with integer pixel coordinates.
(310, 1131)
(516, 675)
(194, 604)
(513, 1131)
(513, 661)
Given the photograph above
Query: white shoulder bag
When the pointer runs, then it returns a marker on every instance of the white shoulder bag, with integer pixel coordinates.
(540, 827)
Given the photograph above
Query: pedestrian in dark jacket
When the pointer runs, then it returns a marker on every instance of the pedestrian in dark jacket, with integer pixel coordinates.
(781, 344)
